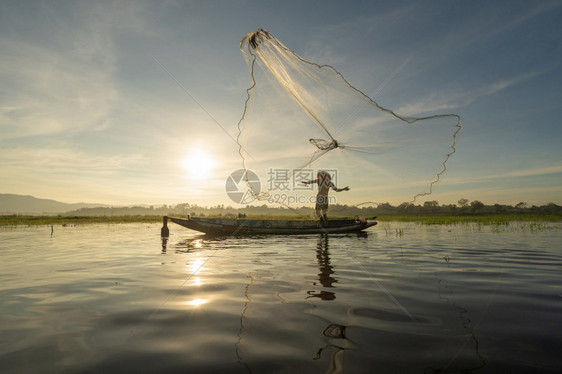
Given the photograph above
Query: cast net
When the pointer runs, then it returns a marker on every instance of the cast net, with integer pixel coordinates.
(301, 117)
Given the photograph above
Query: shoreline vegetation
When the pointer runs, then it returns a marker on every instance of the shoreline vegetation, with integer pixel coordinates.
(492, 219)
(428, 213)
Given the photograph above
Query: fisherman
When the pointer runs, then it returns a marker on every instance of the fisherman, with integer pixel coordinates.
(324, 181)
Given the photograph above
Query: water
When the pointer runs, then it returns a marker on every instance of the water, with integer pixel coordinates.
(402, 298)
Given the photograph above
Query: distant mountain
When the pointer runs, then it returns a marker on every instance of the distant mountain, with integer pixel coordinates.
(20, 204)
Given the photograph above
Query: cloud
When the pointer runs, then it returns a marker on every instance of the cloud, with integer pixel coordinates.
(65, 160)
(536, 10)
(534, 172)
(69, 175)
(48, 92)
(479, 179)
(451, 100)
(60, 75)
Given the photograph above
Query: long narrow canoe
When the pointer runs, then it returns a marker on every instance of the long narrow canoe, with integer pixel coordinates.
(219, 226)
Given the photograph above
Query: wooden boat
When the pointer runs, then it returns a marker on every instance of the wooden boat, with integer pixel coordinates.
(221, 226)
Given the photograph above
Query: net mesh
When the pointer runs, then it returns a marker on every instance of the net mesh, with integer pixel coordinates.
(303, 115)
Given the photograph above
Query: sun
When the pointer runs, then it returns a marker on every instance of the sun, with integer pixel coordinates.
(199, 164)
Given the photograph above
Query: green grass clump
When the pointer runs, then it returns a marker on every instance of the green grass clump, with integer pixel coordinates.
(24, 220)
(495, 220)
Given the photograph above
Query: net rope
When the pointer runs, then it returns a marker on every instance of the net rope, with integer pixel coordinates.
(335, 108)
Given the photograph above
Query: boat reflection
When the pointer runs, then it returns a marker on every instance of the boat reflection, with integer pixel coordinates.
(190, 245)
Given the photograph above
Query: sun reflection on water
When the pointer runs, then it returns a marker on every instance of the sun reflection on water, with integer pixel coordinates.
(197, 302)
(195, 266)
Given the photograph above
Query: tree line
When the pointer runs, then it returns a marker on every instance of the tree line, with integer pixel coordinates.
(463, 207)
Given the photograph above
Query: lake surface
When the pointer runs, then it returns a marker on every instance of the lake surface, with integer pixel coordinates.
(402, 298)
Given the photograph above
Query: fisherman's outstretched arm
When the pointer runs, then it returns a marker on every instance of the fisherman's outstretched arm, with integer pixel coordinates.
(310, 182)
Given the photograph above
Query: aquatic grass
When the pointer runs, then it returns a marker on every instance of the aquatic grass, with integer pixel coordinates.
(27, 220)
(485, 220)
(530, 222)
(30, 220)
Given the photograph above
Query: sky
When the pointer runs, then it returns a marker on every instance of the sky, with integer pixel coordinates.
(137, 102)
